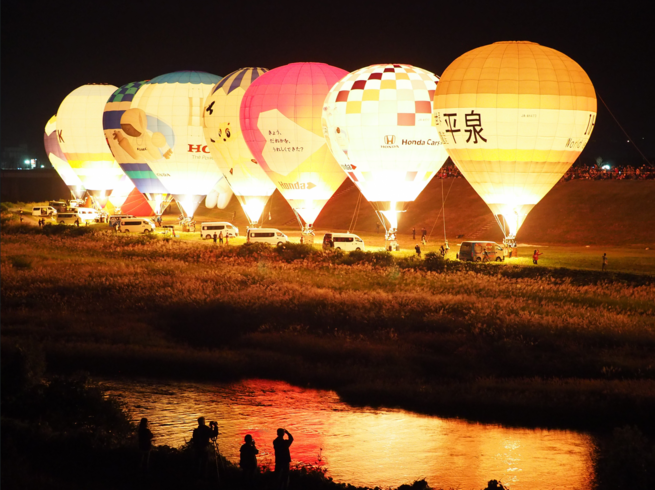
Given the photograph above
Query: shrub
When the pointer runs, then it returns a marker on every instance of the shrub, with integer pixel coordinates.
(294, 251)
(434, 262)
(379, 259)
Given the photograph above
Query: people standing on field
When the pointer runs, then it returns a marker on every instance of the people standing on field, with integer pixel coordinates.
(604, 267)
(215, 238)
(535, 257)
(202, 435)
(227, 238)
(418, 250)
(220, 238)
(282, 458)
(413, 233)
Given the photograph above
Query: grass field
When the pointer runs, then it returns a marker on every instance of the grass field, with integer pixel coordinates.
(510, 342)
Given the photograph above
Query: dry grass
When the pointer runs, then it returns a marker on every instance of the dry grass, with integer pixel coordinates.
(526, 345)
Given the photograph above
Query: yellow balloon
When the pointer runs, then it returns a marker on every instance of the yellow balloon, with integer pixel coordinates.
(514, 116)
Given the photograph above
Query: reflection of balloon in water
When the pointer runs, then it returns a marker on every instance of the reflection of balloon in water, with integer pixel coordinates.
(79, 129)
(281, 123)
(377, 121)
(166, 116)
(514, 116)
(225, 140)
(58, 160)
(130, 148)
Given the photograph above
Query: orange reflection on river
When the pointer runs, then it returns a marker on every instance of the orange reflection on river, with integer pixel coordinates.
(359, 445)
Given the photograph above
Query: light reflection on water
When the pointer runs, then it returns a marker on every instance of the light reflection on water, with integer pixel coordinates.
(362, 446)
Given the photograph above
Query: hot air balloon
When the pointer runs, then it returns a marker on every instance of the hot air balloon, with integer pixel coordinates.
(80, 135)
(131, 150)
(164, 127)
(377, 121)
(514, 116)
(58, 160)
(281, 123)
(225, 140)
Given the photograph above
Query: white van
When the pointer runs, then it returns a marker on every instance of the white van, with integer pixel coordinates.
(137, 225)
(208, 229)
(68, 218)
(44, 211)
(114, 219)
(272, 236)
(342, 241)
(88, 214)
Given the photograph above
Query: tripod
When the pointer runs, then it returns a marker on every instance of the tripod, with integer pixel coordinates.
(218, 462)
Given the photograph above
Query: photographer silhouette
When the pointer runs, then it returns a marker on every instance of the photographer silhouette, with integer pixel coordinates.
(202, 435)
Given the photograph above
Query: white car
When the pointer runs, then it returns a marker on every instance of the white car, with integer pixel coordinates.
(137, 225)
(342, 241)
(272, 236)
(208, 229)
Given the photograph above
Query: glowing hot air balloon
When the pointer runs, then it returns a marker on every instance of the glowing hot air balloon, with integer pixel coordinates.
(79, 130)
(377, 121)
(164, 127)
(281, 123)
(225, 140)
(131, 148)
(58, 160)
(514, 116)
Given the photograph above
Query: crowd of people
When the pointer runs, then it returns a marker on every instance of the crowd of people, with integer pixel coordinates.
(204, 446)
(580, 171)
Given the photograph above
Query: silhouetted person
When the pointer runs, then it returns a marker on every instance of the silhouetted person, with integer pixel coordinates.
(418, 250)
(413, 233)
(77, 222)
(201, 437)
(282, 458)
(604, 267)
(248, 461)
(442, 250)
(145, 443)
(220, 238)
(227, 239)
(535, 257)
(424, 233)
(215, 237)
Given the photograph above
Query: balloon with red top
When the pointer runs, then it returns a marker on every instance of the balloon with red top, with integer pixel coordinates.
(281, 122)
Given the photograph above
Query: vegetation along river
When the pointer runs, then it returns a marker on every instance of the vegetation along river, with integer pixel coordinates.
(362, 446)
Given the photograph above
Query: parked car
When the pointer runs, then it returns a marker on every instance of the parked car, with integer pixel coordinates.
(272, 236)
(44, 211)
(208, 229)
(481, 251)
(342, 241)
(137, 225)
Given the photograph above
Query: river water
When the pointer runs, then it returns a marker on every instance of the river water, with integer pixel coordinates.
(362, 446)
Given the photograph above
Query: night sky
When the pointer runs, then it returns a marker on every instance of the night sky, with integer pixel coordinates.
(51, 48)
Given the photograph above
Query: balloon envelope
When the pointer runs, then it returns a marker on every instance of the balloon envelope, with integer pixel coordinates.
(81, 137)
(225, 140)
(378, 122)
(281, 123)
(514, 116)
(58, 159)
(166, 114)
(131, 150)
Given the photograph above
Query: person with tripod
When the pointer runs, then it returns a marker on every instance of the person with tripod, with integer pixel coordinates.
(282, 458)
(202, 435)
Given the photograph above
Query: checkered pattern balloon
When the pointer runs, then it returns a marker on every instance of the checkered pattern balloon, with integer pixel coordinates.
(377, 121)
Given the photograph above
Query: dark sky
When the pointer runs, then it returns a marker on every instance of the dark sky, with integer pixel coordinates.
(51, 48)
